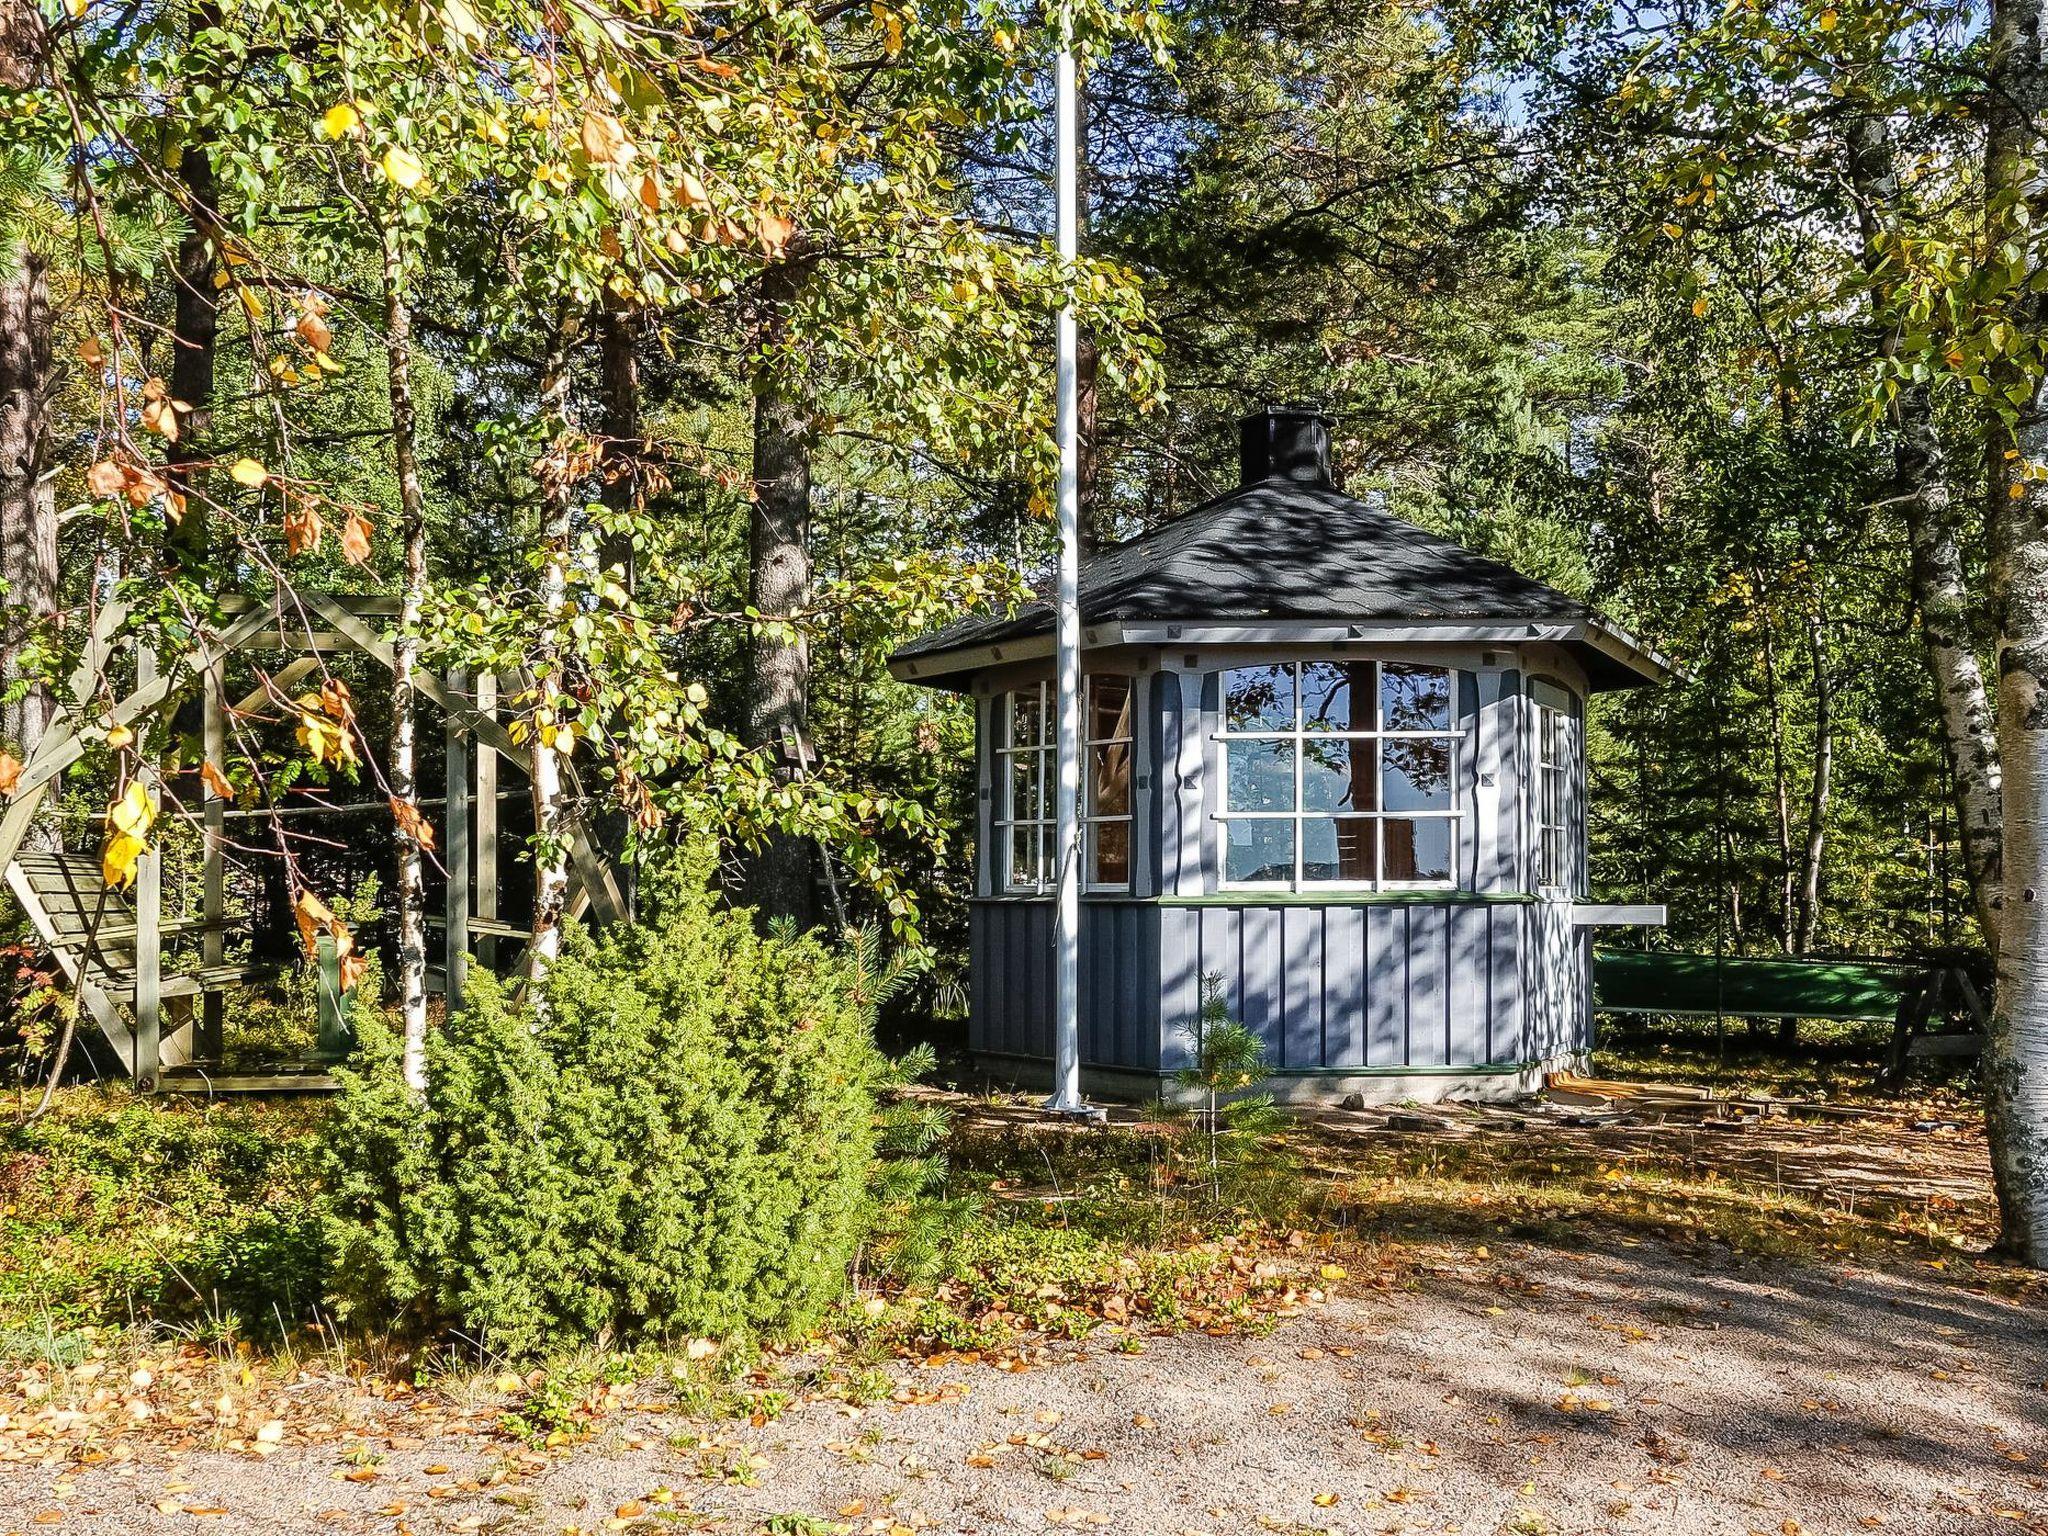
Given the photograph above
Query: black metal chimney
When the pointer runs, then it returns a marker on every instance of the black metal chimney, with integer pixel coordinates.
(1288, 442)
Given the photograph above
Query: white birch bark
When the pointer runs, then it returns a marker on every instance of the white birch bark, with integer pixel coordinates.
(2015, 1063)
(405, 656)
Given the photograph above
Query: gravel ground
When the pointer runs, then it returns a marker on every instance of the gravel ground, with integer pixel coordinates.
(1632, 1389)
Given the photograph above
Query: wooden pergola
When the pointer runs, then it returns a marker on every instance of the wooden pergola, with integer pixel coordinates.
(162, 1026)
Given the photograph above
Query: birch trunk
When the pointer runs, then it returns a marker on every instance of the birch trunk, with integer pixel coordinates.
(1948, 635)
(2015, 1063)
(1941, 593)
(550, 809)
(778, 875)
(405, 657)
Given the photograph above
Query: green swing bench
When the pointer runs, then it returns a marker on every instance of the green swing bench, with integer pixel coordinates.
(1908, 994)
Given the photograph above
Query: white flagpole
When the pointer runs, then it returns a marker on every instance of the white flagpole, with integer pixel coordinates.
(1066, 1089)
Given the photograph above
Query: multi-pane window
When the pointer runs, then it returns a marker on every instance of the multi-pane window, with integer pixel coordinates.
(1026, 768)
(1553, 796)
(1339, 773)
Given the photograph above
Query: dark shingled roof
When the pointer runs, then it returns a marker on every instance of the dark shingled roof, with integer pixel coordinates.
(1282, 549)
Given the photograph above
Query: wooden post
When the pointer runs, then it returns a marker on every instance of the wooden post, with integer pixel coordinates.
(487, 819)
(331, 1003)
(455, 849)
(206, 1045)
(149, 892)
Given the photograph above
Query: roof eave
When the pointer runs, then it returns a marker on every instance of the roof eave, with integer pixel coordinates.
(953, 667)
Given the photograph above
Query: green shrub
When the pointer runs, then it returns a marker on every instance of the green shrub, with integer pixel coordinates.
(678, 1141)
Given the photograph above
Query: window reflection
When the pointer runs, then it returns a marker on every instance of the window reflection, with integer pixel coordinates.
(1337, 775)
(1338, 848)
(1336, 695)
(1259, 851)
(1260, 775)
(1416, 775)
(1418, 849)
(1259, 698)
(1340, 772)
(1415, 698)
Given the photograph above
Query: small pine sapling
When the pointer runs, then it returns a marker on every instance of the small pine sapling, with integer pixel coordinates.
(1227, 1059)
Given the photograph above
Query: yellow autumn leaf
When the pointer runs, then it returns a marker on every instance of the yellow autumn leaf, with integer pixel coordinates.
(119, 858)
(118, 736)
(340, 120)
(402, 169)
(132, 813)
(249, 472)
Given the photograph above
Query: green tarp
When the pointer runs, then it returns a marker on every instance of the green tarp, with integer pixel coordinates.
(1632, 981)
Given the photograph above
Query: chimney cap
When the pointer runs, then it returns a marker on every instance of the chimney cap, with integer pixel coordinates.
(1291, 442)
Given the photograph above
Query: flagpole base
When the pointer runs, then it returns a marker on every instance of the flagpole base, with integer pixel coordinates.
(1076, 1109)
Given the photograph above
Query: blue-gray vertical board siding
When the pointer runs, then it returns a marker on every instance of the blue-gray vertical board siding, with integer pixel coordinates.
(1470, 983)
(1429, 1013)
(1375, 986)
(1507, 1018)
(1343, 983)
(1010, 945)
(1303, 952)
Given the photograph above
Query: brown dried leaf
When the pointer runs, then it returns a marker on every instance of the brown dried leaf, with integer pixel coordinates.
(355, 539)
(410, 822)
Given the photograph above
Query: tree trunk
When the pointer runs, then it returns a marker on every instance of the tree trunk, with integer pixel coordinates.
(1781, 802)
(1941, 594)
(1781, 775)
(550, 808)
(28, 509)
(28, 504)
(195, 330)
(619, 463)
(2015, 1062)
(778, 874)
(1812, 854)
(1948, 636)
(405, 657)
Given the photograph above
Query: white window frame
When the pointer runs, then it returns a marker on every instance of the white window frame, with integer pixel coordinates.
(1299, 736)
(1556, 763)
(1004, 822)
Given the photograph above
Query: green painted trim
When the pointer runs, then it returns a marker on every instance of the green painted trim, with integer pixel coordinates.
(1292, 899)
(1355, 899)
(1482, 1069)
